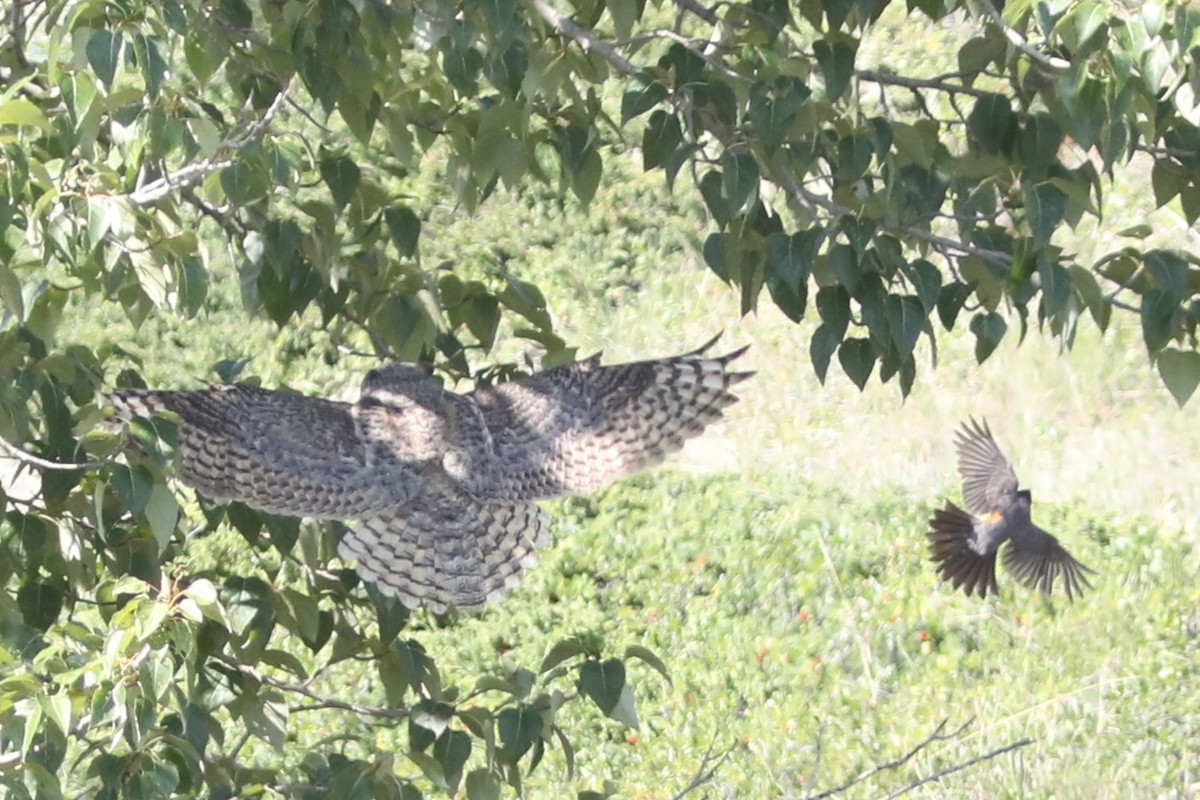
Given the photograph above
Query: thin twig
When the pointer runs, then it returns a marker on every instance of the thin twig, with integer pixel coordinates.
(1018, 41)
(937, 776)
(322, 701)
(567, 27)
(891, 79)
(706, 14)
(936, 736)
(707, 770)
(30, 458)
(194, 173)
(690, 43)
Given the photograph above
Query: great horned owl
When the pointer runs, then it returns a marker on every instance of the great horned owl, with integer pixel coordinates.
(442, 486)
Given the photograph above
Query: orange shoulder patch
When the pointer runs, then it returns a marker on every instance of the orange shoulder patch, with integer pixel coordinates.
(994, 517)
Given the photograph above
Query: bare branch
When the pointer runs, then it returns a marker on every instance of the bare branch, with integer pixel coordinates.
(707, 770)
(1053, 63)
(690, 43)
(322, 701)
(706, 14)
(42, 463)
(891, 79)
(194, 173)
(567, 27)
(936, 736)
(937, 776)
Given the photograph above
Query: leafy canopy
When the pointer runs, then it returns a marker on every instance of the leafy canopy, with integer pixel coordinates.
(151, 149)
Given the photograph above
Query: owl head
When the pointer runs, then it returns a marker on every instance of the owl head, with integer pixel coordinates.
(411, 381)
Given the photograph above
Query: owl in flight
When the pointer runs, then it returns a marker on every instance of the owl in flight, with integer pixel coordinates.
(442, 487)
(965, 546)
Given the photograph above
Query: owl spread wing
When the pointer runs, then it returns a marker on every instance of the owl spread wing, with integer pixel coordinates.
(574, 429)
(446, 549)
(280, 452)
(988, 480)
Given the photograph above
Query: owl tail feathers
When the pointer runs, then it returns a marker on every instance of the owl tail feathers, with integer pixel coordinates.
(951, 534)
(466, 563)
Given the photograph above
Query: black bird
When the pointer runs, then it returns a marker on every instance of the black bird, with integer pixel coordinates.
(965, 546)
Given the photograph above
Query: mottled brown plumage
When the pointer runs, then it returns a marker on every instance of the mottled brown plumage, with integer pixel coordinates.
(442, 486)
(965, 546)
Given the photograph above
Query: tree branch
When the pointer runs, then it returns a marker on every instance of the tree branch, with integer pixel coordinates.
(707, 770)
(937, 776)
(567, 27)
(890, 79)
(194, 173)
(1053, 63)
(322, 701)
(706, 14)
(42, 463)
(937, 735)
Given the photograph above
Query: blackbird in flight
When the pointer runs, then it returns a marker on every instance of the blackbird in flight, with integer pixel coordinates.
(965, 546)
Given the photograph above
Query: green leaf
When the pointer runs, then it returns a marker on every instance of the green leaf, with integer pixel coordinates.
(991, 122)
(342, 176)
(518, 728)
(104, 50)
(1180, 371)
(926, 280)
(586, 180)
(950, 301)
(18, 111)
(711, 189)
(648, 656)
(906, 318)
(835, 57)
(662, 135)
(11, 294)
(1045, 204)
(40, 602)
(833, 305)
(844, 261)
(859, 231)
(1084, 283)
(603, 681)
(1168, 179)
(1038, 142)
(1159, 311)
(134, 485)
(404, 228)
(854, 154)
(773, 107)
(563, 651)
(857, 357)
(790, 258)
(452, 749)
(792, 302)
(824, 344)
(1170, 272)
(989, 328)
(528, 301)
(739, 172)
(646, 94)
(1056, 285)
(508, 72)
(162, 512)
(482, 784)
